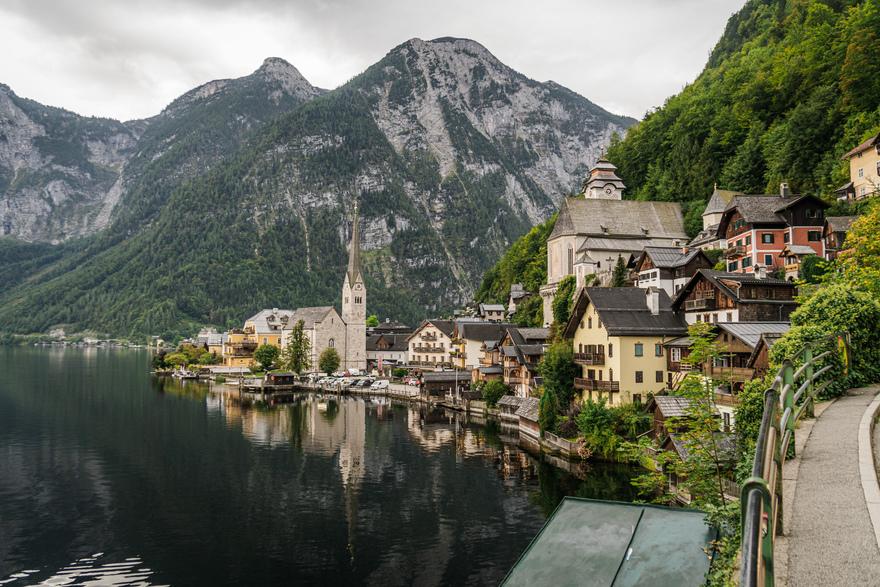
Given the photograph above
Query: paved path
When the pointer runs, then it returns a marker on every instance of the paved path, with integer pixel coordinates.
(830, 539)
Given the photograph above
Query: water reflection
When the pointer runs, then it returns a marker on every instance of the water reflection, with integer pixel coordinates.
(97, 457)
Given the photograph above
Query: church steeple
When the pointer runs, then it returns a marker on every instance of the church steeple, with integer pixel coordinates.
(354, 254)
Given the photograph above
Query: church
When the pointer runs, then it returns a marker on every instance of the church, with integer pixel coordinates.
(323, 325)
(597, 226)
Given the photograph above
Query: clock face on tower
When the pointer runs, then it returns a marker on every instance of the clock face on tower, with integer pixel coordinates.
(609, 189)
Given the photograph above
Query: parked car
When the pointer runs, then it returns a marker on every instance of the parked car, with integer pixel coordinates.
(380, 384)
(412, 381)
(344, 382)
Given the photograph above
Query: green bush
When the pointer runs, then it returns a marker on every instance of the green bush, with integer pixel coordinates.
(398, 372)
(266, 355)
(559, 370)
(548, 408)
(493, 391)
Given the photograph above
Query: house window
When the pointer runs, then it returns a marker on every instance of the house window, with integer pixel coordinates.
(747, 262)
(733, 266)
(610, 374)
(589, 322)
(658, 350)
(786, 237)
(640, 377)
(659, 376)
(814, 236)
(637, 398)
(610, 350)
(726, 421)
(748, 240)
(861, 172)
(767, 238)
(675, 354)
(768, 260)
(640, 349)
(570, 260)
(730, 316)
(331, 343)
(265, 340)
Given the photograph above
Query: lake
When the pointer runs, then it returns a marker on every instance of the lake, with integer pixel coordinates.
(109, 476)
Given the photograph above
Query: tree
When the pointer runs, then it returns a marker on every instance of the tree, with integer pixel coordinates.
(558, 369)
(548, 408)
(493, 391)
(812, 268)
(860, 261)
(329, 360)
(619, 277)
(372, 321)
(176, 360)
(296, 356)
(563, 300)
(266, 355)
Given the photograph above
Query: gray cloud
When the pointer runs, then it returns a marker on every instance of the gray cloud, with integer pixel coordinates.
(129, 59)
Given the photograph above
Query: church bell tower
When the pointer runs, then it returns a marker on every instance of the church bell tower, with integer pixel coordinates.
(603, 183)
(354, 304)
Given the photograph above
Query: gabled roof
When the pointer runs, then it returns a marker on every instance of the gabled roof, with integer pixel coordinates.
(707, 235)
(447, 327)
(797, 250)
(396, 342)
(271, 320)
(719, 200)
(670, 257)
(863, 147)
(482, 331)
(624, 312)
(510, 400)
(724, 441)
(750, 332)
(670, 406)
(763, 209)
(461, 377)
(728, 282)
(492, 307)
(767, 340)
(840, 223)
(528, 409)
(309, 316)
(615, 218)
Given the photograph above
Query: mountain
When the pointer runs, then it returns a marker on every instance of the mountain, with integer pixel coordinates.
(789, 88)
(451, 154)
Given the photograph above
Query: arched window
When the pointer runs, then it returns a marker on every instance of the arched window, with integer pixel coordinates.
(570, 260)
(331, 343)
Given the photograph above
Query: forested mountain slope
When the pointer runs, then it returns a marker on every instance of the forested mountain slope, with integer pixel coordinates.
(451, 154)
(790, 87)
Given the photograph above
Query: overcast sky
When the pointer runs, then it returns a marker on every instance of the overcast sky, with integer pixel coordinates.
(129, 58)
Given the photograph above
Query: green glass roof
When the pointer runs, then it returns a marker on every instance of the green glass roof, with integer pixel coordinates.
(592, 542)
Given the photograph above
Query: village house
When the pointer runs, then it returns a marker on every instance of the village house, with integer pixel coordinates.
(527, 413)
(443, 384)
(708, 238)
(490, 368)
(597, 227)
(834, 233)
(792, 256)
(430, 345)
(469, 338)
(618, 335)
(491, 312)
(521, 349)
(387, 350)
(757, 228)
(389, 327)
(517, 296)
(716, 296)
(667, 412)
(238, 348)
(668, 268)
(864, 171)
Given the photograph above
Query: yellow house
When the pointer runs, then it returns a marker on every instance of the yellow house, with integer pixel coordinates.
(618, 335)
(864, 171)
(238, 349)
(264, 327)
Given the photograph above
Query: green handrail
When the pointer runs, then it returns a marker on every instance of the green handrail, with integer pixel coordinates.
(761, 494)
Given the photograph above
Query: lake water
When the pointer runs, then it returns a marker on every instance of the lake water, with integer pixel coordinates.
(109, 477)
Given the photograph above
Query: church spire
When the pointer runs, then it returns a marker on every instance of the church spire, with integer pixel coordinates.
(354, 253)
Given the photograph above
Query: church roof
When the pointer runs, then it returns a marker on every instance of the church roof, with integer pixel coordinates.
(719, 201)
(354, 253)
(616, 218)
(309, 316)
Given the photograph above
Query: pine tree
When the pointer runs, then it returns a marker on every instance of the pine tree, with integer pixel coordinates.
(618, 278)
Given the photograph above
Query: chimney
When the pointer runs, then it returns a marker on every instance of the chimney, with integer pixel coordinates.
(761, 271)
(783, 190)
(652, 296)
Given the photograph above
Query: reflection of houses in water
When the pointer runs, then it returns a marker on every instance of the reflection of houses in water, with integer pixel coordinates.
(430, 428)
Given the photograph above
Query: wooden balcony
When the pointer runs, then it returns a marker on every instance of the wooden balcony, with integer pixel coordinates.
(726, 399)
(589, 358)
(699, 304)
(594, 385)
(738, 374)
(246, 345)
(436, 365)
(735, 251)
(428, 349)
(516, 380)
(428, 336)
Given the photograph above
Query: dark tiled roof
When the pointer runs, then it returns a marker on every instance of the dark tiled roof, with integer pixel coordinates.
(510, 400)
(670, 406)
(719, 200)
(580, 216)
(398, 342)
(718, 278)
(669, 257)
(528, 409)
(493, 370)
(840, 223)
(482, 331)
(725, 442)
(447, 327)
(533, 334)
(446, 377)
(866, 145)
(750, 332)
(759, 209)
(624, 312)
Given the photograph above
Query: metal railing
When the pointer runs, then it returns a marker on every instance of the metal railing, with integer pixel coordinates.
(790, 397)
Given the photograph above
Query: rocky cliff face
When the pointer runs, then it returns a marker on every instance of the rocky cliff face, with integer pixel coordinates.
(451, 154)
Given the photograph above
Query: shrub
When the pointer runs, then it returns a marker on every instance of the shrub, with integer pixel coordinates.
(398, 372)
(559, 370)
(493, 390)
(266, 355)
(329, 360)
(547, 410)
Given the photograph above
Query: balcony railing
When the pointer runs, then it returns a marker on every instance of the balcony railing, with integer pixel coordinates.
(732, 373)
(589, 358)
(735, 251)
(428, 336)
(726, 399)
(428, 349)
(244, 345)
(488, 362)
(516, 380)
(700, 304)
(437, 364)
(593, 385)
